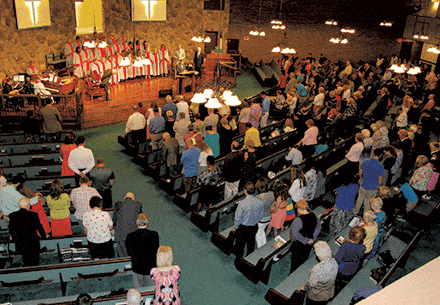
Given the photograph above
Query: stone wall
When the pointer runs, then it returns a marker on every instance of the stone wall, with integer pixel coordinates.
(18, 47)
(186, 18)
(365, 44)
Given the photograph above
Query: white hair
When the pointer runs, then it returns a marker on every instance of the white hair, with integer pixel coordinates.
(322, 250)
(133, 297)
(24, 202)
(369, 216)
(376, 203)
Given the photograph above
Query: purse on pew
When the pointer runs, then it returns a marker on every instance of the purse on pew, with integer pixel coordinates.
(385, 259)
(298, 297)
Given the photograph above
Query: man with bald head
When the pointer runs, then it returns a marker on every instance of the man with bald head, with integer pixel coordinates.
(133, 297)
(124, 220)
(24, 227)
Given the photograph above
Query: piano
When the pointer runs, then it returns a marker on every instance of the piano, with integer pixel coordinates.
(59, 85)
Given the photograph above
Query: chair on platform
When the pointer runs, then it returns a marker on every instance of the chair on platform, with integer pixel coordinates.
(95, 89)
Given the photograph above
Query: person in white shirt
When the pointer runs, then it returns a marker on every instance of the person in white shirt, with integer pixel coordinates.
(347, 92)
(97, 226)
(182, 106)
(295, 156)
(354, 154)
(135, 127)
(402, 118)
(81, 159)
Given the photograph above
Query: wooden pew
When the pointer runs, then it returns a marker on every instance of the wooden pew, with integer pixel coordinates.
(224, 240)
(191, 200)
(284, 292)
(67, 277)
(153, 163)
(257, 265)
(34, 171)
(267, 147)
(16, 148)
(99, 298)
(29, 158)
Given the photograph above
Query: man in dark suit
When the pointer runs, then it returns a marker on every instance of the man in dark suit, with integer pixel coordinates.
(23, 227)
(142, 246)
(124, 220)
(199, 61)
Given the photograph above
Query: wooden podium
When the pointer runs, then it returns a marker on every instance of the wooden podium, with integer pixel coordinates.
(226, 61)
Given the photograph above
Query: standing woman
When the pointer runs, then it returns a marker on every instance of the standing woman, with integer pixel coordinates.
(65, 150)
(97, 226)
(225, 132)
(255, 115)
(165, 276)
(305, 229)
(244, 117)
(59, 203)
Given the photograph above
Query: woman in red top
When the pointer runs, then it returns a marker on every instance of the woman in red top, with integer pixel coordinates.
(65, 150)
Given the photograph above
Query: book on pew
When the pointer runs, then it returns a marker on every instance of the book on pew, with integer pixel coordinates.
(340, 240)
(75, 254)
(279, 241)
(378, 274)
(357, 221)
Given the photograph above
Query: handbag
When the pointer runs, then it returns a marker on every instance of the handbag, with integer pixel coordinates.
(233, 124)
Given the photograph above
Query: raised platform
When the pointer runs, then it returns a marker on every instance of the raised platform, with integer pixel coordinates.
(99, 112)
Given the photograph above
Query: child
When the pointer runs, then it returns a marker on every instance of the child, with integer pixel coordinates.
(278, 211)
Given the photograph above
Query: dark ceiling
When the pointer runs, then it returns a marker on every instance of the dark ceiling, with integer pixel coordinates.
(360, 13)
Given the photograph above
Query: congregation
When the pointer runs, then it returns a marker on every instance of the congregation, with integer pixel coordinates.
(390, 167)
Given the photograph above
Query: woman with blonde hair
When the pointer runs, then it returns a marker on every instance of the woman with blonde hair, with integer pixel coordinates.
(305, 229)
(165, 276)
(299, 183)
(420, 179)
(377, 136)
(59, 203)
(371, 230)
(205, 151)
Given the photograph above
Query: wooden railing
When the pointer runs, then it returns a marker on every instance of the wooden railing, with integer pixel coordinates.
(70, 109)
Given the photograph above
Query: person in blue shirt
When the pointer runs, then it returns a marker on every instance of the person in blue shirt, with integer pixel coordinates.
(212, 138)
(249, 212)
(190, 160)
(265, 107)
(371, 172)
(350, 254)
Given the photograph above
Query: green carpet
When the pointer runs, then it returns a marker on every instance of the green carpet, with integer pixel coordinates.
(208, 276)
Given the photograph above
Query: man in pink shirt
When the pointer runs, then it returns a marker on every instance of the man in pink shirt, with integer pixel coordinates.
(309, 140)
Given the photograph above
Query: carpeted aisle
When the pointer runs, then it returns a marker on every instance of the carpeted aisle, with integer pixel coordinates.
(208, 276)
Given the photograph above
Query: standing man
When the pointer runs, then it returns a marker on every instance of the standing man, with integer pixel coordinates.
(249, 212)
(142, 246)
(10, 197)
(81, 159)
(157, 127)
(80, 198)
(199, 61)
(169, 106)
(170, 154)
(233, 170)
(51, 120)
(371, 173)
(182, 106)
(23, 227)
(190, 160)
(136, 126)
(265, 107)
(253, 134)
(103, 179)
(124, 220)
